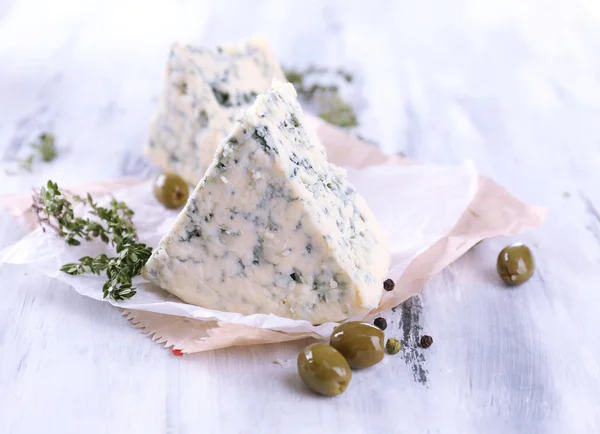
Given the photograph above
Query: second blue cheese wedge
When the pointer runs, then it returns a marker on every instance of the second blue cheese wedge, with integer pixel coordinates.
(204, 92)
(273, 227)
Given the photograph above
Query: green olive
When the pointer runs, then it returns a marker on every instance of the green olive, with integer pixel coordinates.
(515, 264)
(324, 369)
(171, 190)
(360, 343)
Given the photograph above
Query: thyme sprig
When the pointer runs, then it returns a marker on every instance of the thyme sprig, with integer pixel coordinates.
(332, 106)
(113, 225)
(45, 146)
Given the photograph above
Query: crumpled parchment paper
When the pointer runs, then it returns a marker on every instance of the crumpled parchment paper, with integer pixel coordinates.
(431, 214)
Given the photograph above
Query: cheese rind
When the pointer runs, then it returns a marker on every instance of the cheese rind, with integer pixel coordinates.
(273, 227)
(204, 92)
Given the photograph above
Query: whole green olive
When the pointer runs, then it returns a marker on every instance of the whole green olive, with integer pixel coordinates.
(171, 190)
(360, 343)
(515, 264)
(324, 369)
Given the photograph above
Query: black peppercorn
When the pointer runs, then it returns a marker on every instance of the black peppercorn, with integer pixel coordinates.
(381, 323)
(426, 341)
(388, 284)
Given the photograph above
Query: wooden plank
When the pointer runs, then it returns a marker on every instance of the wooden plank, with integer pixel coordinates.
(506, 89)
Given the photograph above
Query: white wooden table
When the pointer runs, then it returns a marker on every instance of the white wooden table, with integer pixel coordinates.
(513, 85)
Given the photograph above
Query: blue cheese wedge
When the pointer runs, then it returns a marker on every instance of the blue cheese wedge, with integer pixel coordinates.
(204, 92)
(273, 227)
